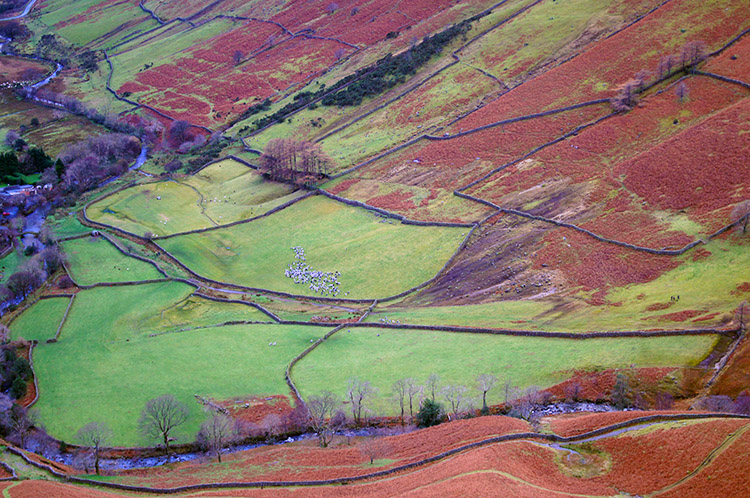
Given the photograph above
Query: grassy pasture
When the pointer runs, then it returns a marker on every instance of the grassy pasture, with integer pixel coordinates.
(708, 288)
(41, 320)
(221, 193)
(66, 225)
(383, 356)
(95, 260)
(124, 367)
(375, 259)
(9, 264)
(198, 312)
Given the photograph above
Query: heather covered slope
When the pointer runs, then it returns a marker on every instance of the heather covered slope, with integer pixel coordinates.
(624, 456)
(498, 208)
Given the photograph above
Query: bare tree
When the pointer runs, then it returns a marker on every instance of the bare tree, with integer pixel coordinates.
(339, 53)
(358, 393)
(178, 132)
(486, 383)
(573, 391)
(4, 333)
(664, 401)
(95, 435)
(509, 392)
(399, 389)
(526, 403)
(740, 215)
(215, 433)
(412, 389)
(374, 448)
(432, 384)
(22, 422)
(455, 395)
(52, 258)
(322, 410)
(332, 7)
(692, 53)
(625, 99)
(160, 416)
(642, 78)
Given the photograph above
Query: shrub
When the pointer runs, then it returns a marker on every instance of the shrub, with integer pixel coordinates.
(18, 389)
(430, 413)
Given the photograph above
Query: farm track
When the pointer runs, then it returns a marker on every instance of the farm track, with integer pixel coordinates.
(406, 469)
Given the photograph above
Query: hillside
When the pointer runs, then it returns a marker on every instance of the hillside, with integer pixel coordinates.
(303, 197)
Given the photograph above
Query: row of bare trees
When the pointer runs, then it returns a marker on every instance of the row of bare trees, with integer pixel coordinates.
(289, 160)
(691, 54)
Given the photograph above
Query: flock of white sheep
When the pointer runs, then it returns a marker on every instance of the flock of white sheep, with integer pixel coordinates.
(325, 283)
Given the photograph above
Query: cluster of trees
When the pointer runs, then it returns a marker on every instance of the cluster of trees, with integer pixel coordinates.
(53, 48)
(11, 29)
(290, 160)
(370, 81)
(15, 371)
(691, 54)
(23, 160)
(32, 273)
(89, 162)
(393, 70)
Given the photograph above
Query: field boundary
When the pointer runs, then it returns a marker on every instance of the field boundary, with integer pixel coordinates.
(62, 321)
(10, 470)
(537, 333)
(721, 78)
(521, 436)
(309, 349)
(257, 306)
(33, 374)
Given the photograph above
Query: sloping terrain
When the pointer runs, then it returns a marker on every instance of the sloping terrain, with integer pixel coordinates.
(542, 190)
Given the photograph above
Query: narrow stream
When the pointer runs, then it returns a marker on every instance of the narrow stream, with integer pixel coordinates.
(147, 462)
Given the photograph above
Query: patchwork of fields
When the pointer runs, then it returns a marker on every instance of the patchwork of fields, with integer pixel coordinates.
(499, 209)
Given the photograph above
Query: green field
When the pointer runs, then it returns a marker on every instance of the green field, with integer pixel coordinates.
(221, 193)
(9, 264)
(107, 336)
(41, 320)
(375, 259)
(104, 18)
(198, 312)
(95, 260)
(383, 356)
(66, 225)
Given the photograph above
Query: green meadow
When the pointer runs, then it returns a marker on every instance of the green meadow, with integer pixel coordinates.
(221, 193)
(108, 335)
(382, 356)
(41, 320)
(375, 258)
(95, 260)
